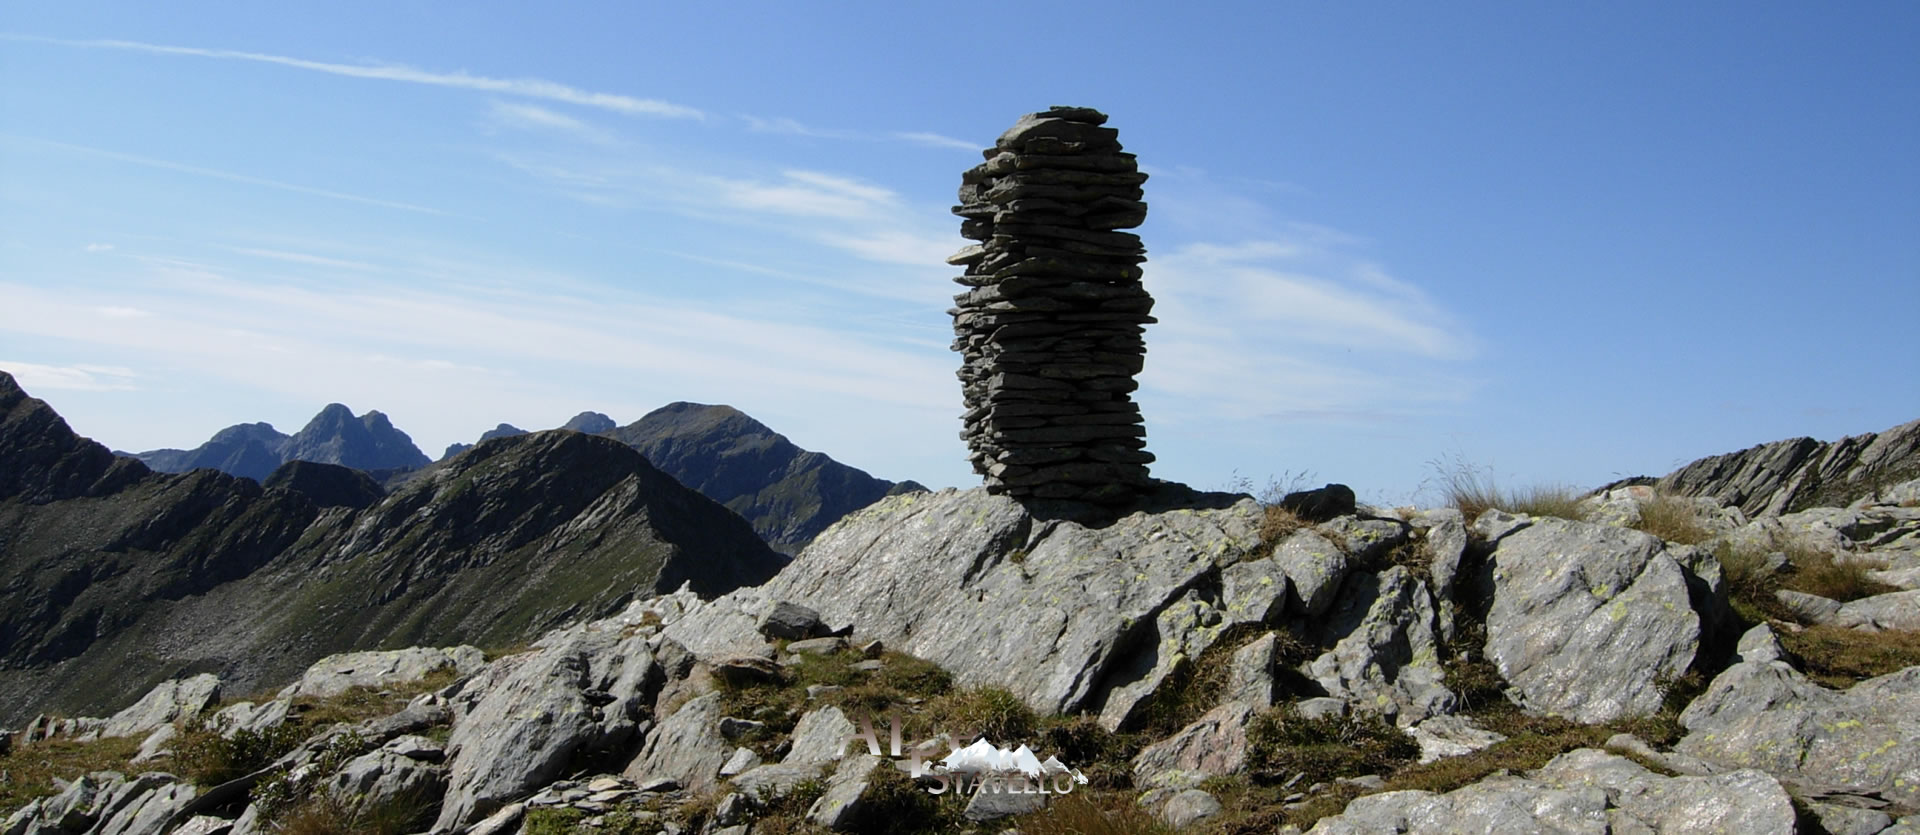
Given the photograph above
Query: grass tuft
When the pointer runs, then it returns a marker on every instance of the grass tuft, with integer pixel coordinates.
(1092, 813)
(1841, 658)
(1817, 572)
(1674, 519)
(1473, 490)
(1283, 744)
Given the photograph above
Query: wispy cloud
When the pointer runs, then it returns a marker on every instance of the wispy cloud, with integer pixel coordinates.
(99, 247)
(32, 376)
(305, 258)
(934, 140)
(534, 117)
(526, 87)
(216, 174)
(793, 127)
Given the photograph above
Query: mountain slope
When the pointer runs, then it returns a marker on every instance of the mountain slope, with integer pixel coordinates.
(334, 436)
(113, 577)
(789, 494)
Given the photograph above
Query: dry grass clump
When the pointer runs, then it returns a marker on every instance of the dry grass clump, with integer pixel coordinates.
(28, 771)
(1092, 813)
(1474, 491)
(1840, 658)
(1674, 519)
(1818, 572)
(325, 814)
(1277, 523)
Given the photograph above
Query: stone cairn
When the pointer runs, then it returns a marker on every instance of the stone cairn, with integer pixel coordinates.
(1051, 329)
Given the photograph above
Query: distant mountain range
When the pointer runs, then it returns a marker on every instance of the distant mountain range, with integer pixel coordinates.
(254, 450)
(115, 577)
(788, 494)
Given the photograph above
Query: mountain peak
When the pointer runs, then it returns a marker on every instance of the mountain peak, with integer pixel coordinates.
(592, 423)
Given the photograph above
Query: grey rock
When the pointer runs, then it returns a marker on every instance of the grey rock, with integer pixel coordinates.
(1900, 578)
(773, 781)
(818, 646)
(1320, 504)
(247, 716)
(1214, 745)
(792, 621)
(1384, 657)
(733, 730)
(990, 804)
(1367, 540)
(503, 822)
(743, 760)
(1254, 591)
(335, 674)
(143, 806)
(1898, 610)
(732, 809)
(1320, 707)
(156, 745)
(1447, 541)
(1315, 567)
(1766, 715)
(687, 746)
(1250, 680)
(1451, 736)
(383, 777)
(820, 736)
(1189, 807)
(1849, 820)
(1587, 620)
(166, 702)
(746, 670)
(839, 808)
(204, 825)
(519, 722)
(1582, 791)
(1759, 645)
(1810, 608)
(416, 747)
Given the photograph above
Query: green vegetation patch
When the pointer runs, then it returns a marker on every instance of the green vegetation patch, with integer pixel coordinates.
(28, 771)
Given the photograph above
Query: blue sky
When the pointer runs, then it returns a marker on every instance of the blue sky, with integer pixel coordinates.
(1563, 242)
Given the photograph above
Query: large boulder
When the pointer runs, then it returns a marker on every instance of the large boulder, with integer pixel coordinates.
(686, 747)
(1385, 655)
(525, 719)
(166, 702)
(1585, 791)
(1587, 621)
(1762, 713)
(335, 674)
(928, 573)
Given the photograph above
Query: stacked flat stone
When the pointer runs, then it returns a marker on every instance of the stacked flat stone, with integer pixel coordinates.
(1051, 328)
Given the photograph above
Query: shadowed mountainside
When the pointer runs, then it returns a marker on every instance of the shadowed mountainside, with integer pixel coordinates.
(113, 577)
(789, 494)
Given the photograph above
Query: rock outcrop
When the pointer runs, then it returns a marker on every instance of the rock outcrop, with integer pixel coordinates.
(1050, 331)
(1791, 475)
(1585, 791)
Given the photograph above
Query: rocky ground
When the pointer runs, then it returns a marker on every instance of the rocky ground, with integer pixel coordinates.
(1658, 664)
